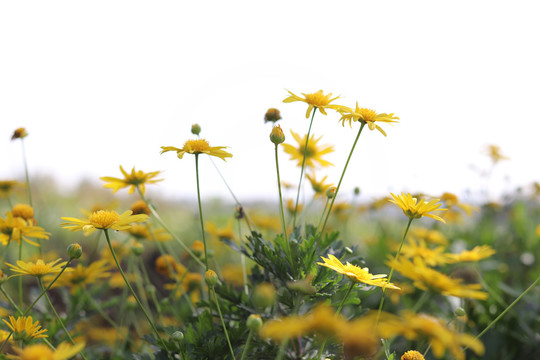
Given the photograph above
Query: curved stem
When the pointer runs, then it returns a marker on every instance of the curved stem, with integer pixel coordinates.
(342, 175)
(222, 322)
(302, 168)
(200, 211)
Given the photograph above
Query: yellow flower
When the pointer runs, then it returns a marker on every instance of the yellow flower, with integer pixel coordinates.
(136, 178)
(356, 273)
(23, 211)
(426, 278)
(416, 209)
(220, 233)
(81, 275)
(315, 100)
(196, 147)
(103, 219)
(431, 236)
(476, 254)
(24, 329)
(145, 232)
(19, 133)
(318, 185)
(7, 186)
(16, 228)
(39, 268)
(412, 355)
(494, 152)
(312, 153)
(140, 207)
(63, 351)
(291, 208)
(367, 116)
(431, 256)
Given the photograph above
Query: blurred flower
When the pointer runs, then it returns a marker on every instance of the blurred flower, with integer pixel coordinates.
(476, 254)
(197, 147)
(103, 219)
(418, 248)
(24, 211)
(24, 329)
(272, 115)
(416, 209)
(82, 275)
(313, 153)
(19, 133)
(16, 228)
(291, 208)
(144, 232)
(7, 186)
(318, 185)
(367, 116)
(43, 352)
(132, 180)
(221, 233)
(494, 152)
(315, 100)
(431, 236)
(165, 265)
(39, 268)
(356, 273)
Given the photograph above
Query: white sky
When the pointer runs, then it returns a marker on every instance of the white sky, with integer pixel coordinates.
(106, 83)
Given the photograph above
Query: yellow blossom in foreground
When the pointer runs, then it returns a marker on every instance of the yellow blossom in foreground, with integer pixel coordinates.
(317, 100)
(415, 209)
(24, 329)
(313, 152)
(39, 268)
(356, 273)
(63, 351)
(476, 254)
(426, 278)
(103, 219)
(16, 228)
(196, 147)
(131, 180)
(412, 355)
(367, 116)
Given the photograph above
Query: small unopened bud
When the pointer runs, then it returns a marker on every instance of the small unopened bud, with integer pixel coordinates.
(19, 133)
(211, 278)
(177, 336)
(198, 248)
(264, 295)
(3, 277)
(277, 136)
(331, 192)
(137, 249)
(131, 303)
(460, 312)
(356, 191)
(74, 251)
(239, 213)
(195, 129)
(272, 115)
(254, 322)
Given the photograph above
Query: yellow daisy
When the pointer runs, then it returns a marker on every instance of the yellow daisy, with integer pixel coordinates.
(24, 329)
(134, 179)
(7, 186)
(103, 219)
(317, 100)
(319, 186)
(367, 116)
(476, 254)
(81, 275)
(19, 133)
(415, 209)
(16, 228)
(313, 153)
(494, 152)
(38, 269)
(63, 351)
(196, 147)
(412, 355)
(356, 273)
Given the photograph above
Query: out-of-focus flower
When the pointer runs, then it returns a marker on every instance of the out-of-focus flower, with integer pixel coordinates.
(19, 133)
(476, 254)
(16, 228)
(272, 115)
(319, 186)
(313, 152)
(63, 351)
(494, 152)
(131, 180)
(38, 269)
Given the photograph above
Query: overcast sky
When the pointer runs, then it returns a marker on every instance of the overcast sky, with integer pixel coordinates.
(106, 83)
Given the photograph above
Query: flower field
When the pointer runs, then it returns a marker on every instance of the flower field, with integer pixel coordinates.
(116, 272)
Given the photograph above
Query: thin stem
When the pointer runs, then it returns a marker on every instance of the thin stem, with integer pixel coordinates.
(342, 175)
(135, 295)
(222, 321)
(200, 211)
(246, 346)
(281, 198)
(302, 168)
(26, 173)
(100, 310)
(21, 302)
(323, 212)
(243, 260)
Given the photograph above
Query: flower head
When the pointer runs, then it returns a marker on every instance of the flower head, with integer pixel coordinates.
(494, 152)
(7, 186)
(316, 100)
(476, 254)
(16, 228)
(313, 152)
(415, 209)
(272, 115)
(356, 273)
(412, 355)
(43, 352)
(19, 133)
(319, 186)
(367, 116)
(103, 219)
(81, 275)
(196, 147)
(38, 269)
(133, 180)
(24, 329)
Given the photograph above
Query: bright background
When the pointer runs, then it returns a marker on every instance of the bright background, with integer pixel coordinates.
(106, 83)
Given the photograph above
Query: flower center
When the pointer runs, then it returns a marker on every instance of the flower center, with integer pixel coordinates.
(317, 99)
(39, 268)
(23, 211)
(366, 114)
(197, 146)
(103, 219)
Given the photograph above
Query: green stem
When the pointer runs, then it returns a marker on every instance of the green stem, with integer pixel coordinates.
(135, 295)
(222, 322)
(342, 175)
(21, 301)
(392, 270)
(200, 211)
(246, 346)
(302, 168)
(243, 260)
(281, 198)
(100, 310)
(26, 174)
(10, 300)
(323, 212)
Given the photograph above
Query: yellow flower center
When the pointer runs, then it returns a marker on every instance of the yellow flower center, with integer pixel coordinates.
(104, 219)
(197, 146)
(37, 352)
(23, 211)
(412, 355)
(39, 268)
(317, 99)
(355, 273)
(366, 114)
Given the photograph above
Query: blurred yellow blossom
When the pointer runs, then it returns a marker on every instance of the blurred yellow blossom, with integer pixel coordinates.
(132, 180)
(313, 152)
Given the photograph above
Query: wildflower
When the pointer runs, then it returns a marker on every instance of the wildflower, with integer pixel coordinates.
(190, 283)
(412, 355)
(198, 247)
(313, 153)
(16, 228)
(7, 186)
(356, 273)
(315, 100)
(24, 211)
(133, 180)
(103, 219)
(38, 269)
(165, 265)
(196, 129)
(416, 209)
(43, 352)
(143, 232)
(418, 248)
(277, 136)
(197, 147)
(220, 233)
(494, 152)
(81, 275)
(211, 278)
(476, 254)
(291, 208)
(426, 278)
(318, 186)
(264, 295)
(254, 322)
(24, 329)
(140, 207)
(272, 115)
(19, 133)
(367, 116)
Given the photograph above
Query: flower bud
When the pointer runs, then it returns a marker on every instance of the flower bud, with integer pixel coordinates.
(460, 312)
(254, 322)
(19, 133)
(264, 295)
(74, 251)
(177, 336)
(331, 192)
(137, 248)
(211, 278)
(356, 191)
(198, 248)
(277, 136)
(272, 115)
(140, 207)
(195, 129)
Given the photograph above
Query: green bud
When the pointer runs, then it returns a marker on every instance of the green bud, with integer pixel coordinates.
(211, 278)
(74, 251)
(137, 249)
(460, 312)
(177, 336)
(254, 322)
(195, 129)
(331, 192)
(277, 136)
